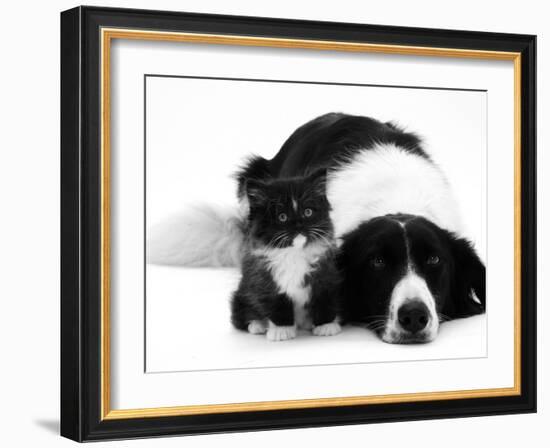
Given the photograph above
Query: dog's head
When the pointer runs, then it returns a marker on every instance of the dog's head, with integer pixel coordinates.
(404, 275)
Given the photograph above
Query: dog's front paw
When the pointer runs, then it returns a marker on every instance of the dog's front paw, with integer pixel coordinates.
(329, 329)
(257, 327)
(276, 333)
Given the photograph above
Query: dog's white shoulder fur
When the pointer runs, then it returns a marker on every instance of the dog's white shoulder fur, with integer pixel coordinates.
(388, 179)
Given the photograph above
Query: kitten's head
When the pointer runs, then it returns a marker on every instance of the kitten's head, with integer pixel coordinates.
(286, 212)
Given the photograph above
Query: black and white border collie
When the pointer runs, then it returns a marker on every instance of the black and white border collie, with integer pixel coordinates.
(405, 263)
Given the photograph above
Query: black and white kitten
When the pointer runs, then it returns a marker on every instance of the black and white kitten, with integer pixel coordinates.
(289, 277)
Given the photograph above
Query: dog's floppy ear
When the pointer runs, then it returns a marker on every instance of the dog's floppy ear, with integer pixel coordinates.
(468, 281)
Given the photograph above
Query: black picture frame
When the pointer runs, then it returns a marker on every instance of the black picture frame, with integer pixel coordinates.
(81, 224)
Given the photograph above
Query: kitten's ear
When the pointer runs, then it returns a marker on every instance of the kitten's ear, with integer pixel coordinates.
(319, 180)
(256, 191)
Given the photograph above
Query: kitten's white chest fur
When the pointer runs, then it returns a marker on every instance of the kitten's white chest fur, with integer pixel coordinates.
(289, 267)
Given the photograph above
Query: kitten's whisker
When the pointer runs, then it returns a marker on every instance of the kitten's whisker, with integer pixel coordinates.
(283, 240)
(278, 240)
(320, 235)
(319, 231)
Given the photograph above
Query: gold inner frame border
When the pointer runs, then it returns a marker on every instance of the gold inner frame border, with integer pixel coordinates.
(107, 35)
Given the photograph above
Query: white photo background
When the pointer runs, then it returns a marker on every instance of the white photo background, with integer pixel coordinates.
(198, 131)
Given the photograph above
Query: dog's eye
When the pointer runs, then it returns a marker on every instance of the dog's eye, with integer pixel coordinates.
(433, 260)
(378, 263)
(282, 217)
(308, 212)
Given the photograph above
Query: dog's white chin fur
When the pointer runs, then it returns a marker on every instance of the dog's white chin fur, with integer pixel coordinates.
(401, 338)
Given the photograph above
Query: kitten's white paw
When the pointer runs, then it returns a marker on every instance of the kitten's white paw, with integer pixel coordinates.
(276, 333)
(257, 327)
(329, 329)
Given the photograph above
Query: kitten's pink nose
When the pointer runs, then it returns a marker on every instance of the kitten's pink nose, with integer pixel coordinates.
(299, 240)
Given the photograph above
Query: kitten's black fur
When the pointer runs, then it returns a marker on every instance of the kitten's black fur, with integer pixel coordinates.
(281, 210)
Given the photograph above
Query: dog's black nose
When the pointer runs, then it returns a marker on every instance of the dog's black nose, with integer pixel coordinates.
(413, 316)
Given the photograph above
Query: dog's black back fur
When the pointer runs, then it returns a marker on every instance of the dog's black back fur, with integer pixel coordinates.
(333, 138)
(326, 141)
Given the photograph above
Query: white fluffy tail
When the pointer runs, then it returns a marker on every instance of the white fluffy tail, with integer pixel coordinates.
(204, 235)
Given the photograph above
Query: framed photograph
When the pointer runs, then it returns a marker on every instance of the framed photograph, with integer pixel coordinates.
(273, 223)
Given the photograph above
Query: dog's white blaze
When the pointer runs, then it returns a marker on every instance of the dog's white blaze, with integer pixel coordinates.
(388, 179)
(410, 287)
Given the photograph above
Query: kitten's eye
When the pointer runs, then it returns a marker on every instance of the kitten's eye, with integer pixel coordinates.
(378, 263)
(308, 212)
(433, 260)
(282, 217)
